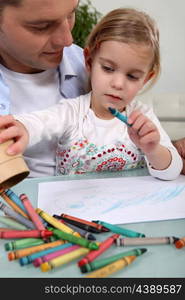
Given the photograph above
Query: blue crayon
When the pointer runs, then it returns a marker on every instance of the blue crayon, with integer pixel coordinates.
(120, 230)
(30, 258)
(15, 199)
(118, 115)
(19, 203)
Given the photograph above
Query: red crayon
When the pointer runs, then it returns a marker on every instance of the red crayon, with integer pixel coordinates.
(78, 221)
(95, 253)
(14, 234)
(31, 212)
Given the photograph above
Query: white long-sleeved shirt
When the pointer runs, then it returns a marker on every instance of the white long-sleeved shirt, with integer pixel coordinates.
(89, 144)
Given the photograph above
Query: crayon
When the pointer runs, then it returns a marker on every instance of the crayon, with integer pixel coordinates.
(84, 224)
(180, 243)
(14, 234)
(97, 264)
(28, 251)
(13, 205)
(12, 223)
(15, 199)
(145, 241)
(31, 212)
(106, 244)
(2, 229)
(111, 268)
(74, 239)
(64, 259)
(13, 214)
(23, 243)
(120, 230)
(84, 233)
(118, 115)
(54, 222)
(30, 258)
(37, 262)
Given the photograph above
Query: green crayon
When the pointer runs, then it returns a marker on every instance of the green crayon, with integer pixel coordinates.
(96, 264)
(12, 223)
(23, 243)
(74, 239)
(120, 230)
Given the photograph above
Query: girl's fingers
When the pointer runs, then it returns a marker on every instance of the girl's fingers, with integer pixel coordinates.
(17, 148)
(5, 121)
(147, 128)
(152, 137)
(9, 133)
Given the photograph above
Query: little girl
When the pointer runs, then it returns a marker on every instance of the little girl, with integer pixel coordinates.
(122, 55)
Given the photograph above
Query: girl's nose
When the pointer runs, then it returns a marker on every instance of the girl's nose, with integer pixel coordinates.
(118, 82)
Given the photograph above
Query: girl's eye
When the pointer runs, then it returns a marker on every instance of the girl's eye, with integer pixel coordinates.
(107, 69)
(132, 77)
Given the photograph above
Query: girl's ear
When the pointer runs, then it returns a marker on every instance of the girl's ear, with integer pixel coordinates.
(149, 76)
(88, 59)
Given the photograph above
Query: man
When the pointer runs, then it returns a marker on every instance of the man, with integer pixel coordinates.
(180, 146)
(39, 65)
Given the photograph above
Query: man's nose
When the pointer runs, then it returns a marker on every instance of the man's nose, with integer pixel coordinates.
(62, 36)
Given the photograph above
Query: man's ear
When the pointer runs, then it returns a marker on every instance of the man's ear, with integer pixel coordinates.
(149, 76)
(88, 59)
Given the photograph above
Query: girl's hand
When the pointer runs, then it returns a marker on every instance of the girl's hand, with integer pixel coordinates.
(10, 129)
(143, 132)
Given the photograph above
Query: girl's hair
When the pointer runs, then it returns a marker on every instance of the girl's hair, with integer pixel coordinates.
(129, 26)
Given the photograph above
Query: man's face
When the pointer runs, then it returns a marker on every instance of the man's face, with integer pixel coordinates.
(33, 36)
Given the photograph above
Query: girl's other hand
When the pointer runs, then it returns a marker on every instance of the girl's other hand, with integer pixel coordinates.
(143, 132)
(10, 129)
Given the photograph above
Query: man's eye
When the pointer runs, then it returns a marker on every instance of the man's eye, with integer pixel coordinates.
(40, 28)
(107, 69)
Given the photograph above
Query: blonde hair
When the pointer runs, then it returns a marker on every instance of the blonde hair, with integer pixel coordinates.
(129, 26)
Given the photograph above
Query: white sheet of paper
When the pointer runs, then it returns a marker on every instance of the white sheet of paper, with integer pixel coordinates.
(115, 200)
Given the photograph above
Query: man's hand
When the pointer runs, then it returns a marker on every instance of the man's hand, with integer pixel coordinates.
(180, 146)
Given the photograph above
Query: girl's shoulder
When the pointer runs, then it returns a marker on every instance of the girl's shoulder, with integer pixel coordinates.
(79, 105)
(137, 104)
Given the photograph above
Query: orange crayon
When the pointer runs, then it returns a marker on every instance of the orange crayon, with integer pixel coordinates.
(2, 229)
(13, 204)
(180, 243)
(28, 251)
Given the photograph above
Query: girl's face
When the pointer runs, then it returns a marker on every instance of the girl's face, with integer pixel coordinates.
(118, 71)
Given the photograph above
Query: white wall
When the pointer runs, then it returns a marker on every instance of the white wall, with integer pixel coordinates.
(170, 17)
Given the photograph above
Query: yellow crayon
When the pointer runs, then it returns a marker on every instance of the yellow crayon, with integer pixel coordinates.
(180, 243)
(13, 204)
(63, 259)
(57, 224)
(28, 251)
(112, 268)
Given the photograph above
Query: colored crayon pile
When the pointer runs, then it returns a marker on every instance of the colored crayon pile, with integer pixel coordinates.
(49, 242)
